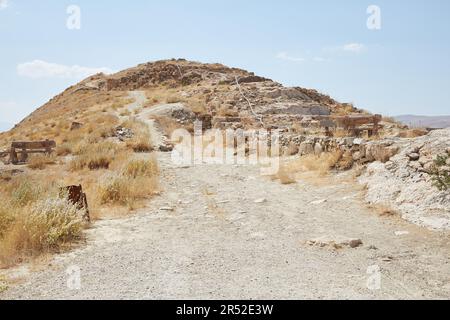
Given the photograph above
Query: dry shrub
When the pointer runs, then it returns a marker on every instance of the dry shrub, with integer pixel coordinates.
(41, 161)
(34, 219)
(141, 141)
(141, 168)
(47, 224)
(24, 191)
(7, 213)
(168, 124)
(321, 164)
(138, 181)
(64, 149)
(94, 156)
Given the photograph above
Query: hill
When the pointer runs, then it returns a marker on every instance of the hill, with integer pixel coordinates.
(214, 90)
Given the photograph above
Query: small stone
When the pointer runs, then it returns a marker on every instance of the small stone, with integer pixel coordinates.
(262, 200)
(414, 156)
(354, 243)
(319, 202)
(401, 233)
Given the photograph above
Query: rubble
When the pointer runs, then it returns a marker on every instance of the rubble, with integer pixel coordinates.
(123, 133)
(337, 242)
(404, 183)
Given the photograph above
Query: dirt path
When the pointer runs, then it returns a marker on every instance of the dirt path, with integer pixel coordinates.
(140, 98)
(206, 237)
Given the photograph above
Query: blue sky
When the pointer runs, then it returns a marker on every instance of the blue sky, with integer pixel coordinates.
(403, 68)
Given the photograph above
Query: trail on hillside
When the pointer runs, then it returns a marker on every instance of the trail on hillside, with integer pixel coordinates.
(144, 115)
(226, 232)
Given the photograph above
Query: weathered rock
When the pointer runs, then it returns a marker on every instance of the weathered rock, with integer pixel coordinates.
(406, 186)
(413, 156)
(75, 126)
(123, 133)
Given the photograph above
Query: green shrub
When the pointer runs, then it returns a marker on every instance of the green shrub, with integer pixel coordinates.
(440, 173)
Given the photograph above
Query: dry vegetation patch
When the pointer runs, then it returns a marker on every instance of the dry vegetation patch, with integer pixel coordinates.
(138, 180)
(322, 165)
(34, 219)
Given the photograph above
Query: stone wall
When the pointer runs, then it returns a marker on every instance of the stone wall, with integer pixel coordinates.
(361, 150)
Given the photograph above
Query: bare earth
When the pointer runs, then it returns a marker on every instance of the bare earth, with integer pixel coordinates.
(206, 237)
(218, 243)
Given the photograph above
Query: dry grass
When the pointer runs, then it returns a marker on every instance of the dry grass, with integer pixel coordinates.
(167, 124)
(137, 181)
(34, 220)
(94, 156)
(54, 119)
(41, 161)
(142, 140)
(321, 165)
(141, 168)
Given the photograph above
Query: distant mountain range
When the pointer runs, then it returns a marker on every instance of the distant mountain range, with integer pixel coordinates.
(436, 122)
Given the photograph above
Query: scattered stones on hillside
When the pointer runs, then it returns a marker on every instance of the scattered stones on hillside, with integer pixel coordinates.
(75, 126)
(123, 133)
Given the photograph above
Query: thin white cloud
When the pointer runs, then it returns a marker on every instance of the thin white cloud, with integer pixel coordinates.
(320, 59)
(354, 47)
(286, 57)
(41, 69)
(3, 4)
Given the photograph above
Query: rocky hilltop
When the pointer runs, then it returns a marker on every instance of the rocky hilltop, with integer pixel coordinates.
(208, 89)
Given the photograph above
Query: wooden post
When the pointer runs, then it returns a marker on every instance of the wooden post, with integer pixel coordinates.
(23, 156)
(13, 156)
